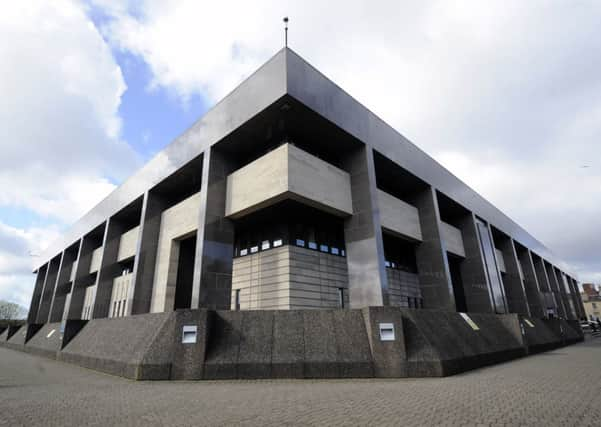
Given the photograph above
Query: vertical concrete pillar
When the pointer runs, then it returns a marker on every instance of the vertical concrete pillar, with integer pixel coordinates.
(555, 286)
(531, 284)
(543, 280)
(48, 291)
(54, 301)
(367, 280)
(109, 268)
(82, 272)
(547, 297)
(431, 257)
(34, 307)
(512, 281)
(576, 297)
(60, 294)
(565, 292)
(140, 298)
(475, 283)
(212, 281)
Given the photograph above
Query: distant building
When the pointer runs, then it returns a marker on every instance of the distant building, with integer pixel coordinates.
(591, 299)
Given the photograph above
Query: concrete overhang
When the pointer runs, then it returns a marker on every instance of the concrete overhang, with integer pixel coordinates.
(288, 173)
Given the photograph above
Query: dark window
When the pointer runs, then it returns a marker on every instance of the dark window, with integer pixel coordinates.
(399, 254)
(289, 222)
(341, 297)
(237, 305)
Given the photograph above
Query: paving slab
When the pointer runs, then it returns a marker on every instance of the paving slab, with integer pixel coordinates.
(556, 388)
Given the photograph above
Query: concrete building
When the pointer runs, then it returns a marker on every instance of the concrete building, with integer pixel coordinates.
(291, 196)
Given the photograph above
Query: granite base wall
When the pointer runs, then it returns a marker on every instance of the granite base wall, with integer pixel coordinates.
(13, 329)
(288, 344)
(44, 342)
(16, 337)
(569, 331)
(443, 343)
(294, 343)
(136, 347)
(537, 335)
(4, 335)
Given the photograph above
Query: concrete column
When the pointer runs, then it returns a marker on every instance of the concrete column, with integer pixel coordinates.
(555, 287)
(109, 268)
(58, 274)
(60, 295)
(512, 281)
(565, 294)
(367, 280)
(48, 291)
(34, 307)
(212, 282)
(579, 297)
(82, 272)
(531, 284)
(576, 297)
(541, 274)
(140, 297)
(544, 284)
(475, 284)
(431, 257)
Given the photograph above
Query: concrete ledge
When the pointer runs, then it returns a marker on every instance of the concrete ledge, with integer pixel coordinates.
(4, 335)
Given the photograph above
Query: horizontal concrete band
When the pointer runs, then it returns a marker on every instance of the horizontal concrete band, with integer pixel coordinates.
(372, 342)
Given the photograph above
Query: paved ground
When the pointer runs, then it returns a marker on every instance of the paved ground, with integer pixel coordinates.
(561, 387)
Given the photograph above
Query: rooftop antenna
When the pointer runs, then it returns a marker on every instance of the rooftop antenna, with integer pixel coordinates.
(286, 31)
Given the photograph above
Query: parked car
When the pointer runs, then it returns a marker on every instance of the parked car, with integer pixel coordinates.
(587, 326)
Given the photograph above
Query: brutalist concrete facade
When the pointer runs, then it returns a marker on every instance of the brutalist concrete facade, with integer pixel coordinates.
(290, 195)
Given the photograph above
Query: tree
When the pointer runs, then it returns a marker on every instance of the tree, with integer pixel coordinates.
(11, 311)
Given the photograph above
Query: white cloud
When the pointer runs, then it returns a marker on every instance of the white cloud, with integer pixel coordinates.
(510, 88)
(18, 249)
(60, 148)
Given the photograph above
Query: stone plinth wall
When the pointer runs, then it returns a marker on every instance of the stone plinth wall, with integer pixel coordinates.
(46, 341)
(385, 342)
